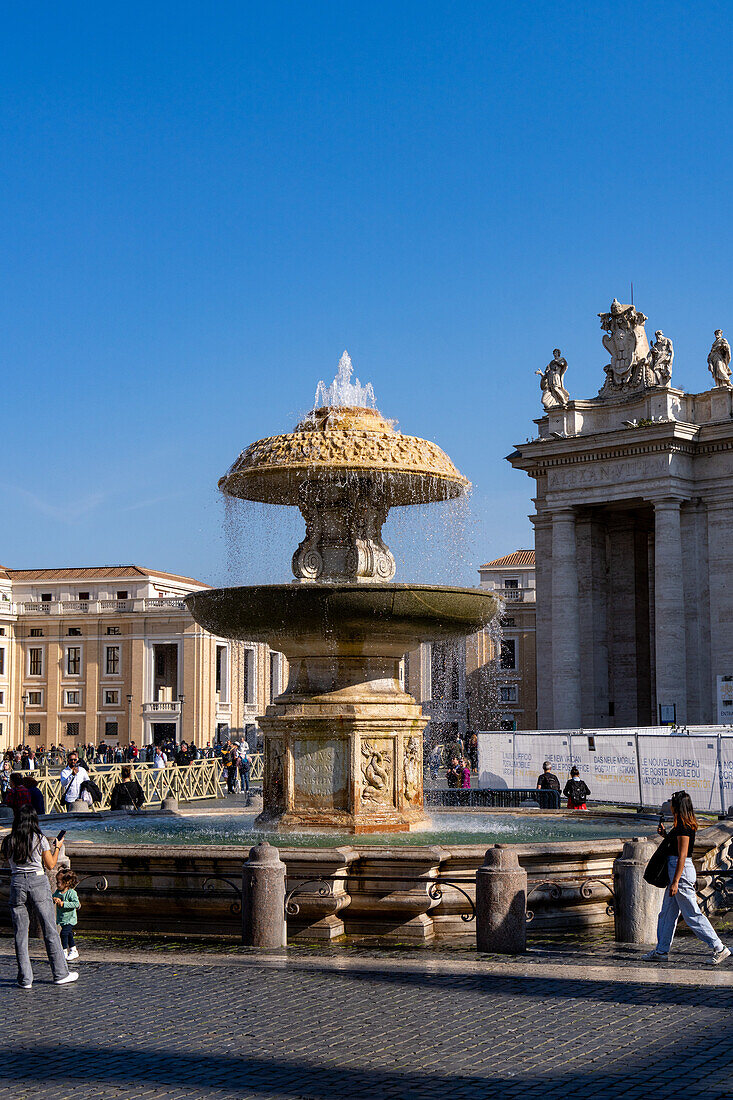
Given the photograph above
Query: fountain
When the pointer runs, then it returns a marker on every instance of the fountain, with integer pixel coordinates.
(343, 742)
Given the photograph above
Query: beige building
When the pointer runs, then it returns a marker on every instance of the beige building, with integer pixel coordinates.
(112, 654)
(507, 693)
(634, 538)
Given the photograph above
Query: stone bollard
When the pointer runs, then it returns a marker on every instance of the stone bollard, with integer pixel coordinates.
(170, 803)
(263, 898)
(501, 903)
(79, 806)
(636, 903)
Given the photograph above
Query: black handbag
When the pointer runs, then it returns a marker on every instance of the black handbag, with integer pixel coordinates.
(655, 872)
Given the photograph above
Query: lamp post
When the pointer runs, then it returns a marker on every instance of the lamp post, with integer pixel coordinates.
(129, 719)
(181, 700)
(22, 732)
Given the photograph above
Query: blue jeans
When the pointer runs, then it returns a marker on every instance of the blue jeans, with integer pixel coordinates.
(32, 889)
(684, 902)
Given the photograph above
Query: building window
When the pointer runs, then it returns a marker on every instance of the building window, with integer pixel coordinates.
(34, 729)
(83, 597)
(73, 660)
(508, 722)
(112, 660)
(35, 698)
(74, 631)
(2, 660)
(111, 698)
(508, 658)
(113, 630)
(36, 632)
(248, 675)
(46, 597)
(274, 675)
(122, 594)
(2, 631)
(72, 729)
(73, 698)
(222, 686)
(511, 582)
(35, 661)
(111, 729)
(507, 693)
(2, 698)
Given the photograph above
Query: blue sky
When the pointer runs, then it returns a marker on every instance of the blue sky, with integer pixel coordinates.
(202, 205)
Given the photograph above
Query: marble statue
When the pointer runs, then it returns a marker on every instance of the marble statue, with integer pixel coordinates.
(719, 361)
(554, 393)
(627, 343)
(659, 361)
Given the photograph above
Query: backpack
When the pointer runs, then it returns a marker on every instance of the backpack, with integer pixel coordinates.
(92, 790)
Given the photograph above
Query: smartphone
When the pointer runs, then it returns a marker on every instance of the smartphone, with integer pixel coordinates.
(61, 835)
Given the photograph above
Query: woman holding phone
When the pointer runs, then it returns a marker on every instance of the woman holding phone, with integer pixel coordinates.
(30, 855)
(680, 897)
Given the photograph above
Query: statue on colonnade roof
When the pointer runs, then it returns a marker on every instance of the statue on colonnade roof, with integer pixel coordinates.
(627, 343)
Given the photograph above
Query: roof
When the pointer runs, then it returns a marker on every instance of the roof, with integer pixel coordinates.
(4, 574)
(517, 558)
(94, 573)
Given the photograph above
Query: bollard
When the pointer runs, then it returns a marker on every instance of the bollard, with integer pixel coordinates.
(81, 807)
(501, 903)
(636, 904)
(170, 803)
(263, 898)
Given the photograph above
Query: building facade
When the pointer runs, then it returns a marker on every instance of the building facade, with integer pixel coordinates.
(112, 654)
(634, 539)
(501, 664)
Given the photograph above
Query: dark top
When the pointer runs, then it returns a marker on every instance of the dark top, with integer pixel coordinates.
(126, 795)
(674, 834)
(548, 782)
(577, 791)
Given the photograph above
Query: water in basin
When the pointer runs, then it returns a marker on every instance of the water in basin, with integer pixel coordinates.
(445, 828)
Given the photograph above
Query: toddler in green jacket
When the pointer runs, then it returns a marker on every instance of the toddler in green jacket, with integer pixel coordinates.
(67, 904)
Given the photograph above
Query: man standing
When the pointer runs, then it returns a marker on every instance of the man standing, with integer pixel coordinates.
(548, 781)
(71, 779)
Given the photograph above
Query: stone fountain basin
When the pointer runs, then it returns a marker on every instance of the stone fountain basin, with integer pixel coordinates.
(358, 619)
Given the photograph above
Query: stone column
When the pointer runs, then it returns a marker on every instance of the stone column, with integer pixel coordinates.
(636, 903)
(501, 903)
(669, 608)
(565, 623)
(543, 622)
(720, 576)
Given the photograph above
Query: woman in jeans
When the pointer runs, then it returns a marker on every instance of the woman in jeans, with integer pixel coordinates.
(30, 855)
(680, 897)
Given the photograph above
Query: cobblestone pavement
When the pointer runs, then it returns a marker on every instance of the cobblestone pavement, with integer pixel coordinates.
(176, 1024)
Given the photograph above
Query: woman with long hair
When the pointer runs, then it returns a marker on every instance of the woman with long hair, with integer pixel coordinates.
(680, 897)
(29, 854)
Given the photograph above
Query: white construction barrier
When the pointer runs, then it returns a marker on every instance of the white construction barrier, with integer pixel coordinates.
(631, 767)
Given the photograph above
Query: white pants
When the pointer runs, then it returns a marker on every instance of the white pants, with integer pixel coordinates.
(684, 902)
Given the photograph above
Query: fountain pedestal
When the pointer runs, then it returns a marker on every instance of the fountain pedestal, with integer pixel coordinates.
(343, 749)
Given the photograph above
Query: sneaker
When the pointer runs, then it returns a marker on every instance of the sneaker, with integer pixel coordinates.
(72, 954)
(652, 955)
(70, 977)
(721, 956)
(66, 952)
(25, 985)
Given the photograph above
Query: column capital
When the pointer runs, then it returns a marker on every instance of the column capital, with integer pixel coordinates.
(566, 512)
(668, 502)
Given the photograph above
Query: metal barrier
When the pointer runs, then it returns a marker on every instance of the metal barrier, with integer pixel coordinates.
(188, 783)
(486, 799)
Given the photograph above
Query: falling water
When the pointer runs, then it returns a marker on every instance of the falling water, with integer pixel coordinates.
(344, 392)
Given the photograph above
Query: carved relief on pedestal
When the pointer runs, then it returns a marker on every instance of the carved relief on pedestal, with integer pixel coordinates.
(377, 772)
(274, 786)
(412, 770)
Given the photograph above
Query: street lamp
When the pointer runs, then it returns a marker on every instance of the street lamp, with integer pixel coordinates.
(181, 700)
(129, 719)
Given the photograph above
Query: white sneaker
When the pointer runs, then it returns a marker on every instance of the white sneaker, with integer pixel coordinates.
(72, 976)
(652, 955)
(66, 952)
(721, 956)
(72, 953)
(25, 985)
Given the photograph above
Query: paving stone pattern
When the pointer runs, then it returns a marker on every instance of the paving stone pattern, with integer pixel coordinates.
(331, 1031)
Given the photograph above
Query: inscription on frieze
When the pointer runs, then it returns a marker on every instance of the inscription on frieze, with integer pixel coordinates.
(321, 773)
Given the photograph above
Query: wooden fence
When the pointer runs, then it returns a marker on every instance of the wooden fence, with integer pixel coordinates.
(198, 780)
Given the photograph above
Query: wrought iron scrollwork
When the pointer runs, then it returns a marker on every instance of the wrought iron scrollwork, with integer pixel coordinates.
(435, 892)
(208, 887)
(325, 890)
(585, 889)
(100, 882)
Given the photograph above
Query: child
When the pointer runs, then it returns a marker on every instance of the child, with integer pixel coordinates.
(67, 902)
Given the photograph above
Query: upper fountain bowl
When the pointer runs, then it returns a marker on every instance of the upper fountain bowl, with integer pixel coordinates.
(341, 445)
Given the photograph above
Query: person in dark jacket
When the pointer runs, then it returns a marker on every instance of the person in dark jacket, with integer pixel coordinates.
(548, 781)
(127, 794)
(576, 791)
